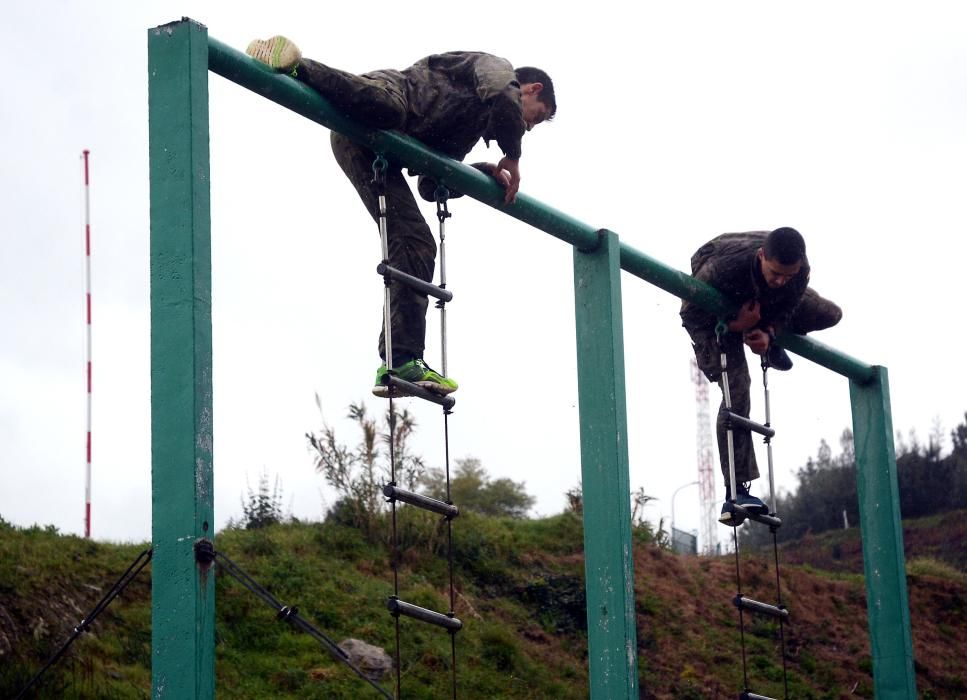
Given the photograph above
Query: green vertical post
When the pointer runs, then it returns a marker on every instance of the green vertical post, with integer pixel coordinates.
(608, 555)
(182, 589)
(883, 561)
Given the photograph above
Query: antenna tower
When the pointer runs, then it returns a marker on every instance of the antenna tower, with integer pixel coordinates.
(705, 459)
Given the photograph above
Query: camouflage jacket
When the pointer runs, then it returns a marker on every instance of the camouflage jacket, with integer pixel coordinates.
(454, 99)
(728, 263)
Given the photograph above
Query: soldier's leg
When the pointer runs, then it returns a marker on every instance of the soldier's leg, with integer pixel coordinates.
(373, 101)
(746, 468)
(814, 313)
(707, 355)
(411, 245)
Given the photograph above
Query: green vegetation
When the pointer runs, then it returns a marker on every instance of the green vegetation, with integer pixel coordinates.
(263, 507)
(339, 582)
(474, 490)
(520, 595)
(520, 591)
(928, 566)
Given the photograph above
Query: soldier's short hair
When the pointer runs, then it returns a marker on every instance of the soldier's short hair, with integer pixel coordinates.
(529, 74)
(785, 245)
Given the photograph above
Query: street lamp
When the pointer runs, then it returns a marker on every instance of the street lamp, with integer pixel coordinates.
(675, 493)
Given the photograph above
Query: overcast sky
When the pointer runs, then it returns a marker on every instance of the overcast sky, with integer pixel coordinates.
(676, 122)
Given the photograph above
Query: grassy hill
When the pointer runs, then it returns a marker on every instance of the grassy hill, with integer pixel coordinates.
(521, 598)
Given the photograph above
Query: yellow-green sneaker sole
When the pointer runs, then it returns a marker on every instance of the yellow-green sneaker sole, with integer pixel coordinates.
(278, 53)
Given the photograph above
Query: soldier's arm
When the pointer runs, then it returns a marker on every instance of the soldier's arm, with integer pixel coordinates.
(698, 321)
(497, 86)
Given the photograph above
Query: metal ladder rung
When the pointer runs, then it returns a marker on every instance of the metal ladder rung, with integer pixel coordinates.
(399, 607)
(405, 388)
(740, 601)
(735, 421)
(448, 510)
(773, 521)
(412, 282)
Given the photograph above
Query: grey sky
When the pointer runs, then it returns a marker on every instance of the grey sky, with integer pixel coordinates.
(676, 122)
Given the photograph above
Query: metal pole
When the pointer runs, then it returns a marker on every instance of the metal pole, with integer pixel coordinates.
(379, 176)
(768, 423)
(442, 215)
(727, 398)
(87, 289)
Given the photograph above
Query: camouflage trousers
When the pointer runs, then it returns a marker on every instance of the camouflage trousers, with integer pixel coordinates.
(380, 103)
(813, 313)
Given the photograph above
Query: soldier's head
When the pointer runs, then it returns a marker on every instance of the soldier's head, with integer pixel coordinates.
(781, 256)
(536, 96)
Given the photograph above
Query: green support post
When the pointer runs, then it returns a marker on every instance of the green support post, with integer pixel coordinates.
(182, 588)
(608, 553)
(883, 560)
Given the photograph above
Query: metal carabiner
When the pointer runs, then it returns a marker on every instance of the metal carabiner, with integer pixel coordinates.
(380, 164)
(721, 328)
(441, 195)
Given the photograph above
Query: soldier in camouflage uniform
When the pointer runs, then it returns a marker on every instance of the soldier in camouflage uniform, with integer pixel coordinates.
(448, 102)
(767, 275)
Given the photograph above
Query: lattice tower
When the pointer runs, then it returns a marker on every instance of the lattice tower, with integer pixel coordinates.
(706, 461)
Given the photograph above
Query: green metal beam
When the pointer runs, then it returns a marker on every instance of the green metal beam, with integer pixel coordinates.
(182, 591)
(300, 98)
(830, 358)
(887, 606)
(608, 554)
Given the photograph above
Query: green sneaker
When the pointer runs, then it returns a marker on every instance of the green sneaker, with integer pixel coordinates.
(416, 372)
(278, 53)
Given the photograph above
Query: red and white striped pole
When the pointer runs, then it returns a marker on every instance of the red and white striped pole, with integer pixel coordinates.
(87, 285)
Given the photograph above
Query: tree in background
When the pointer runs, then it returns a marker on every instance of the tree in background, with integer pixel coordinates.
(959, 437)
(263, 507)
(574, 498)
(958, 457)
(358, 474)
(471, 488)
(928, 483)
(640, 526)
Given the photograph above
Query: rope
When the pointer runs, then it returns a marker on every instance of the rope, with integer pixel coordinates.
(291, 615)
(782, 632)
(395, 556)
(453, 635)
(775, 541)
(738, 589)
(441, 195)
(132, 571)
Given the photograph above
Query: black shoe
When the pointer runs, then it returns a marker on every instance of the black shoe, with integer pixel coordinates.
(748, 502)
(729, 516)
(777, 358)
